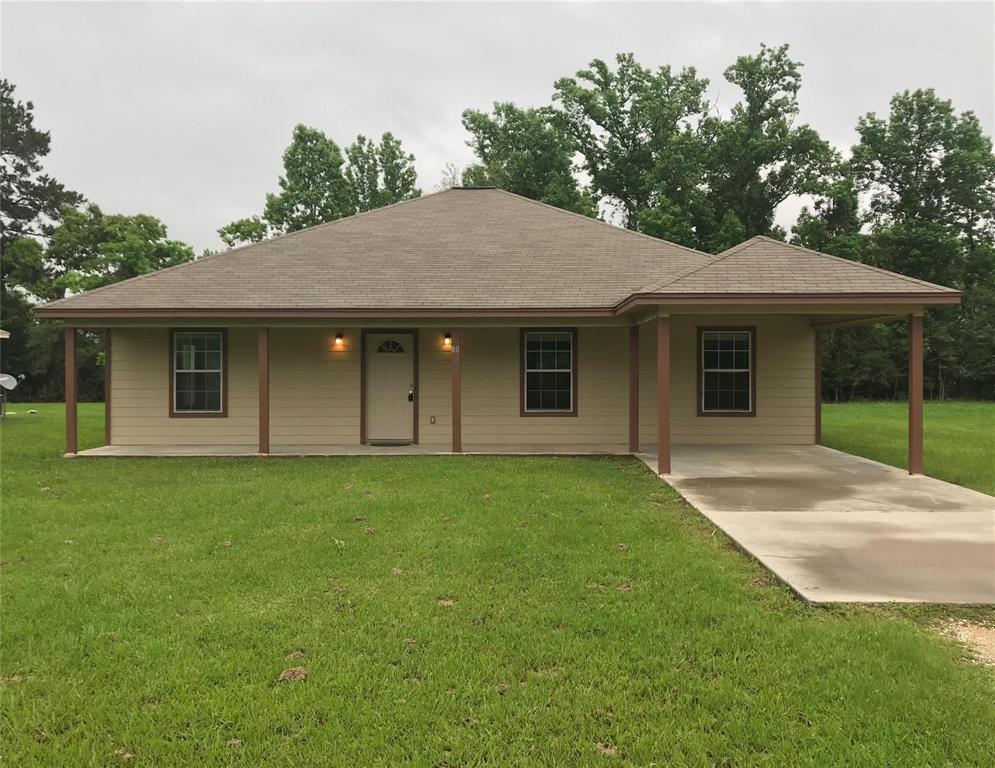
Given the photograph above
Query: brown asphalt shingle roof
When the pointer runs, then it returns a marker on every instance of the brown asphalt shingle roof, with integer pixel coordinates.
(474, 249)
(764, 265)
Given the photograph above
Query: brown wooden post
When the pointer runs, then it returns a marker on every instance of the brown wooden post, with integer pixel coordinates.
(457, 397)
(915, 394)
(634, 388)
(263, 365)
(70, 343)
(818, 388)
(107, 386)
(663, 394)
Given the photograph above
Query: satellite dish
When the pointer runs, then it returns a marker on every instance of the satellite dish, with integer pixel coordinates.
(7, 381)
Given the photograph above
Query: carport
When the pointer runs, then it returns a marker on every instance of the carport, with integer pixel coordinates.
(840, 528)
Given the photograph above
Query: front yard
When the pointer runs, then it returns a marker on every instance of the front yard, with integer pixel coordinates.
(444, 611)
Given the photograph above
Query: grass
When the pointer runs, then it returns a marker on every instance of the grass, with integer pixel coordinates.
(958, 438)
(449, 611)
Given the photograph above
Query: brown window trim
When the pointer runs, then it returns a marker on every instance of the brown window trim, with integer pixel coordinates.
(700, 395)
(521, 372)
(223, 413)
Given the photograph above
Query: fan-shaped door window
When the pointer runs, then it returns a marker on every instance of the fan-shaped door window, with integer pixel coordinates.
(391, 346)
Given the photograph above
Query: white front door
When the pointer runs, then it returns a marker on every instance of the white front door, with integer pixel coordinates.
(390, 387)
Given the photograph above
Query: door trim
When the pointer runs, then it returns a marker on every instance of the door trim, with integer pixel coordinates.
(363, 379)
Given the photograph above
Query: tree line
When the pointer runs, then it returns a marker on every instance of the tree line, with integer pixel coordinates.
(642, 148)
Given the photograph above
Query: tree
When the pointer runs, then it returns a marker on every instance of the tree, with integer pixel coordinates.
(927, 164)
(31, 203)
(31, 199)
(452, 176)
(523, 151)
(90, 249)
(313, 189)
(318, 186)
(759, 157)
(928, 175)
(248, 230)
(833, 224)
(637, 131)
(380, 174)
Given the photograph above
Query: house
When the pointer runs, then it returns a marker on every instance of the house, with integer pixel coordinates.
(478, 320)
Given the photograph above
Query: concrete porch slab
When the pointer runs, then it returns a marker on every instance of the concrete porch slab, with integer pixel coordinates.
(840, 528)
(514, 449)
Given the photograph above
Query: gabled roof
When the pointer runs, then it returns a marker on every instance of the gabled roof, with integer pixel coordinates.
(478, 250)
(764, 265)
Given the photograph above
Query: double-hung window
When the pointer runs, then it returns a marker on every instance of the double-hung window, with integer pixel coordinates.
(549, 370)
(726, 376)
(198, 373)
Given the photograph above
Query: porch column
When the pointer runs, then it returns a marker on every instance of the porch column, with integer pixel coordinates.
(457, 397)
(107, 386)
(263, 366)
(70, 344)
(663, 394)
(818, 387)
(915, 394)
(633, 388)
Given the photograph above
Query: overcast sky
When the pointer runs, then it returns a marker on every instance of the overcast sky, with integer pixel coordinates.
(183, 110)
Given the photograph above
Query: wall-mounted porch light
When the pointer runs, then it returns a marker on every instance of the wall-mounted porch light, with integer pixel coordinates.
(447, 340)
(339, 339)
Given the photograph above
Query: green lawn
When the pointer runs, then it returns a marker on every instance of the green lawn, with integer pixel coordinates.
(449, 611)
(958, 438)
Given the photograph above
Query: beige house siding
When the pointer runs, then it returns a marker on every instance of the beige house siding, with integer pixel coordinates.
(314, 386)
(315, 389)
(140, 404)
(491, 392)
(434, 389)
(785, 360)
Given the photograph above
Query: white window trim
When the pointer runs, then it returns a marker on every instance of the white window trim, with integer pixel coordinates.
(748, 370)
(526, 371)
(220, 371)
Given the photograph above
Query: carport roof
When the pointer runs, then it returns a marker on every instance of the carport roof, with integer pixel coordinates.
(478, 250)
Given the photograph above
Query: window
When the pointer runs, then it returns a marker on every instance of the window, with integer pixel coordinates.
(391, 346)
(726, 373)
(198, 362)
(549, 370)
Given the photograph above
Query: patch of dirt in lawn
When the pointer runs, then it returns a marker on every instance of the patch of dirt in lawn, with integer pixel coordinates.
(295, 673)
(977, 637)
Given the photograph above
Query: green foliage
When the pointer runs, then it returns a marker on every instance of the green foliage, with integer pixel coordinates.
(50, 247)
(523, 151)
(251, 229)
(90, 249)
(928, 164)
(759, 156)
(929, 176)
(320, 185)
(313, 189)
(380, 174)
(636, 131)
(32, 200)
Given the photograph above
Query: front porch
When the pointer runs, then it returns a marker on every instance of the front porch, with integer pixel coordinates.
(632, 385)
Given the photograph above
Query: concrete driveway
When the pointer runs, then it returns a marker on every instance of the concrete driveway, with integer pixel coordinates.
(839, 528)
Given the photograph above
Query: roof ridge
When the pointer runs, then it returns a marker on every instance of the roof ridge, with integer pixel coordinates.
(596, 220)
(244, 247)
(870, 267)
